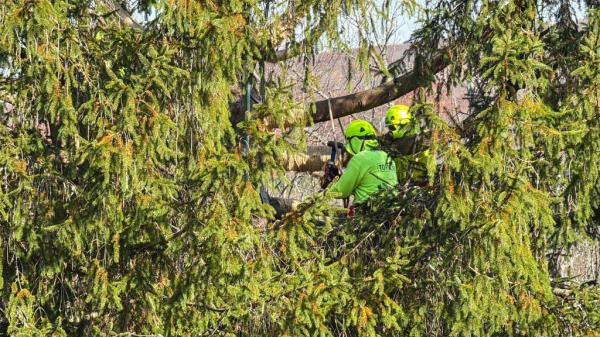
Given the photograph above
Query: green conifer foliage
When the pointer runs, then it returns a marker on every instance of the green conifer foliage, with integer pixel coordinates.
(130, 206)
(127, 202)
(470, 256)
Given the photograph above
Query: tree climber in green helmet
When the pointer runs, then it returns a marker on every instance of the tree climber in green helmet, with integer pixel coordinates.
(369, 170)
(406, 144)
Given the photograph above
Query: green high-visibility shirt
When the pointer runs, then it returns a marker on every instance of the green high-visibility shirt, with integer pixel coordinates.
(367, 172)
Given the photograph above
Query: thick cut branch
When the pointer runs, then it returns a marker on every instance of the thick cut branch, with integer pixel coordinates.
(387, 92)
(316, 157)
(368, 99)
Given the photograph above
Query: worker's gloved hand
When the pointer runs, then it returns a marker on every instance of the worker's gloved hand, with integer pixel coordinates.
(330, 172)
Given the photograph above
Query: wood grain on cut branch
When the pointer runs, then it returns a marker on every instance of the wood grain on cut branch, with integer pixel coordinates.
(312, 161)
(385, 93)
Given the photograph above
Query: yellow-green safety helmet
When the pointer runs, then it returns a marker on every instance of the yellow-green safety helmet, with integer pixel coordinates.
(398, 115)
(360, 135)
(398, 120)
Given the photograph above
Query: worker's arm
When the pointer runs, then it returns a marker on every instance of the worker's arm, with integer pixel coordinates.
(344, 187)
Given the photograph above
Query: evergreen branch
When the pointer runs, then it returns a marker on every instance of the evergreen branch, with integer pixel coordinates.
(208, 306)
(297, 47)
(296, 11)
(124, 16)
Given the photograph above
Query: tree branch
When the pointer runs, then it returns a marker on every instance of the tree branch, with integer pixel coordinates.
(295, 48)
(290, 52)
(365, 100)
(289, 20)
(123, 15)
(387, 92)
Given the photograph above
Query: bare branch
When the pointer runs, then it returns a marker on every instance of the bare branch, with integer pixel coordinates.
(368, 99)
(387, 92)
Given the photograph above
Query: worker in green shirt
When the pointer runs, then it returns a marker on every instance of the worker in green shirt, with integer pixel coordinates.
(369, 169)
(407, 145)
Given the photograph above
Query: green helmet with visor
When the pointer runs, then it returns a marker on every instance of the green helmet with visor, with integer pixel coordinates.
(399, 121)
(360, 135)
